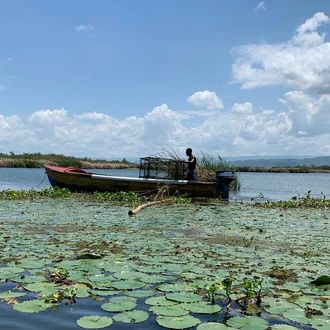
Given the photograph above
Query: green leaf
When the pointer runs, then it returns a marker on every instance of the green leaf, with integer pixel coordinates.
(248, 323)
(322, 280)
(183, 297)
(119, 304)
(214, 326)
(32, 306)
(172, 310)
(181, 322)
(135, 316)
(94, 322)
(9, 294)
(202, 307)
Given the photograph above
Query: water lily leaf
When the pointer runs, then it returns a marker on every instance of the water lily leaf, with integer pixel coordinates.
(214, 326)
(322, 280)
(181, 322)
(248, 323)
(30, 279)
(32, 263)
(88, 255)
(94, 322)
(171, 310)
(278, 307)
(169, 287)
(140, 293)
(43, 287)
(160, 301)
(7, 272)
(183, 297)
(297, 315)
(283, 327)
(127, 285)
(101, 278)
(125, 275)
(201, 307)
(103, 292)
(152, 279)
(32, 306)
(151, 270)
(320, 324)
(135, 316)
(9, 294)
(119, 304)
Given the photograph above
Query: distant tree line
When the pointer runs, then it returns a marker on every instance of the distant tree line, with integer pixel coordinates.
(37, 160)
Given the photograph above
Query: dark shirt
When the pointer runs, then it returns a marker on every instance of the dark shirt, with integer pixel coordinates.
(192, 163)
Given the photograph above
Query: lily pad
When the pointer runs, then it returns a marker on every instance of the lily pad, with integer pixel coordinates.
(201, 307)
(135, 316)
(32, 306)
(160, 301)
(283, 327)
(127, 285)
(248, 323)
(183, 297)
(296, 315)
(119, 304)
(214, 326)
(322, 280)
(140, 293)
(94, 322)
(172, 310)
(10, 294)
(181, 322)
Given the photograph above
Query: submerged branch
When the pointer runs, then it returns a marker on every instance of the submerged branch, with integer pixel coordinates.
(141, 207)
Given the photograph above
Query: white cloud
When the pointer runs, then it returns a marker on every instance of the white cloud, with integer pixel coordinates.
(309, 114)
(2, 87)
(206, 99)
(261, 6)
(242, 108)
(302, 62)
(81, 27)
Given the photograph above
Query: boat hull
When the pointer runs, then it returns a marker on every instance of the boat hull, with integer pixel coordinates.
(78, 180)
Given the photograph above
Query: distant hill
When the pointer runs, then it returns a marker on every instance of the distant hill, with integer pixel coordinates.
(290, 162)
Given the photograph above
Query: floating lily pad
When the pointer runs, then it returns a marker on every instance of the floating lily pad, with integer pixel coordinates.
(127, 285)
(278, 307)
(183, 297)
(176, 287)
(322, 280)
(283, 327)
(181, 322)
(248, 323)
(103, 292)
(32, 306)
(171, 310)
(214, 326)
(135, 316)
(160, 301)
(10, 294)
(297, 315)
(140, 293)
(119, 304)
(202, 307)
(94, 322)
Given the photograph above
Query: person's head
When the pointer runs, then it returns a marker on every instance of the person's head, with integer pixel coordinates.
(188, 151)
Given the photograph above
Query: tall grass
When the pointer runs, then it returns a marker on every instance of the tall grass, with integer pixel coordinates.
(207, 165)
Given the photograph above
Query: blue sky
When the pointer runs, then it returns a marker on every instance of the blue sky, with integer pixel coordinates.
(125, 78)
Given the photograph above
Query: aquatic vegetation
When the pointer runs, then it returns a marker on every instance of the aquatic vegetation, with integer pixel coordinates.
(176, 266)
(307, 201)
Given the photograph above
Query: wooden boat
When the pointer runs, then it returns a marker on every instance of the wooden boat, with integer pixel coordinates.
(79, 180)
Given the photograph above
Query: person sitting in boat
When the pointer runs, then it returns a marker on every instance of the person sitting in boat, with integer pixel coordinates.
(192, 162)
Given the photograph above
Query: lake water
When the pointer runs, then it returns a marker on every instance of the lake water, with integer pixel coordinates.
(272, 186)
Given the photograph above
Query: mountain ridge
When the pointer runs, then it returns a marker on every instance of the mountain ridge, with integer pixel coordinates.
(282, 162)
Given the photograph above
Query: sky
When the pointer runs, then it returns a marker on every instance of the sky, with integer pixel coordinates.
(115, 79)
